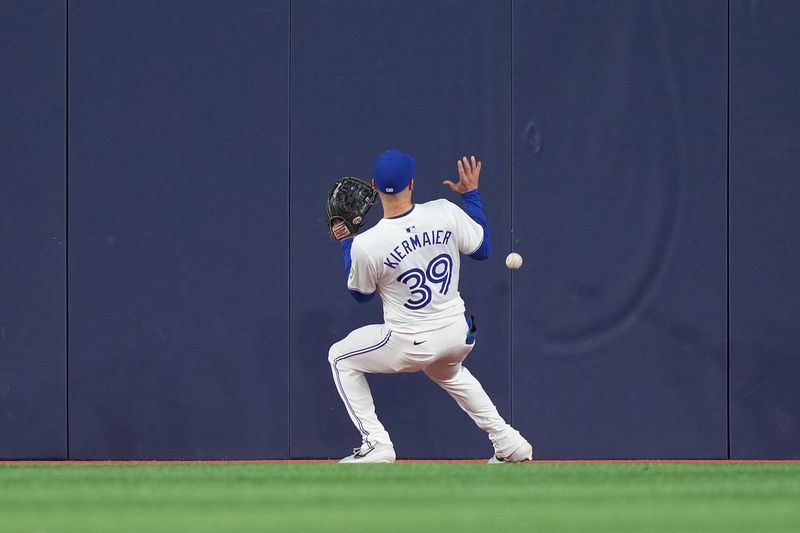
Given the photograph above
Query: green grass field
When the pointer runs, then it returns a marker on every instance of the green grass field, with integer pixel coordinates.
(407, 497)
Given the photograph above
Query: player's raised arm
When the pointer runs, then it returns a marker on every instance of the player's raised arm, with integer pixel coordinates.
(469, 171)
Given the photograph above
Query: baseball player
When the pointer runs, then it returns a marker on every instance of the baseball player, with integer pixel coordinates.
(411, 258)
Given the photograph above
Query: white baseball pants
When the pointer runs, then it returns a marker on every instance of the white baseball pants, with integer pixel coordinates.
(439, 353)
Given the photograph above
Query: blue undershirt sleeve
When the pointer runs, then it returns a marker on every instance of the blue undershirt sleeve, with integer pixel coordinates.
(348, 263)
(473, 206)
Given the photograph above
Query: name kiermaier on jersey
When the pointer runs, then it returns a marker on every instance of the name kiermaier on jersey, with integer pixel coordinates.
(412, 243)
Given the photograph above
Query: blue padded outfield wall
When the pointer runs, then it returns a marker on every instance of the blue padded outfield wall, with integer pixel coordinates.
(619, 319)
(168, 289)
(33, 365)
(415, 80)
(765, 230)
(178, 223)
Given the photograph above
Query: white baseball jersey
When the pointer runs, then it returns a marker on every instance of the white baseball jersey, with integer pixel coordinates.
(413, 262)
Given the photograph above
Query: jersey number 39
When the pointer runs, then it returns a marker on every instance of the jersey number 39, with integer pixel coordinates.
(438, 272)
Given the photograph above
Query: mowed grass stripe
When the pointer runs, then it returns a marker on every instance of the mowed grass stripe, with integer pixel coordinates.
(402, 497)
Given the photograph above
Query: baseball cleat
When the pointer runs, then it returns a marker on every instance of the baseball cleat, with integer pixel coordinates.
(380, 453)
(520, 455)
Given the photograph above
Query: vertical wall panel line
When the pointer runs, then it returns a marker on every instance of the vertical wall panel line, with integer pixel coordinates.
(289, 234)
(728, 229)
(66, 226)
(511, 229)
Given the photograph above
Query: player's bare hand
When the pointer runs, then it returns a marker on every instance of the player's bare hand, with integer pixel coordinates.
(469, 170)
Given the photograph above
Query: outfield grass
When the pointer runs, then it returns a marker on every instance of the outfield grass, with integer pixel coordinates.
(409, 498)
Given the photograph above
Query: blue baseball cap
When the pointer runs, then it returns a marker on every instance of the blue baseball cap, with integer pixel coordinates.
(393, 171)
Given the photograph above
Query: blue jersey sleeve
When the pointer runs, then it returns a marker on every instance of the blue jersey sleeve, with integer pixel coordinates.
(347, 244)
(473, 206)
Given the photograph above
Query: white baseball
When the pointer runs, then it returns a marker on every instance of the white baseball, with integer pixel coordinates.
(514, 261)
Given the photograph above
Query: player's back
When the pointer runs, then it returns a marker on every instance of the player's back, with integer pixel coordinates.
(413, 262)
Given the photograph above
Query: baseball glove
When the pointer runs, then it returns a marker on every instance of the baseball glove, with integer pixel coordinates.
(348, 203)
